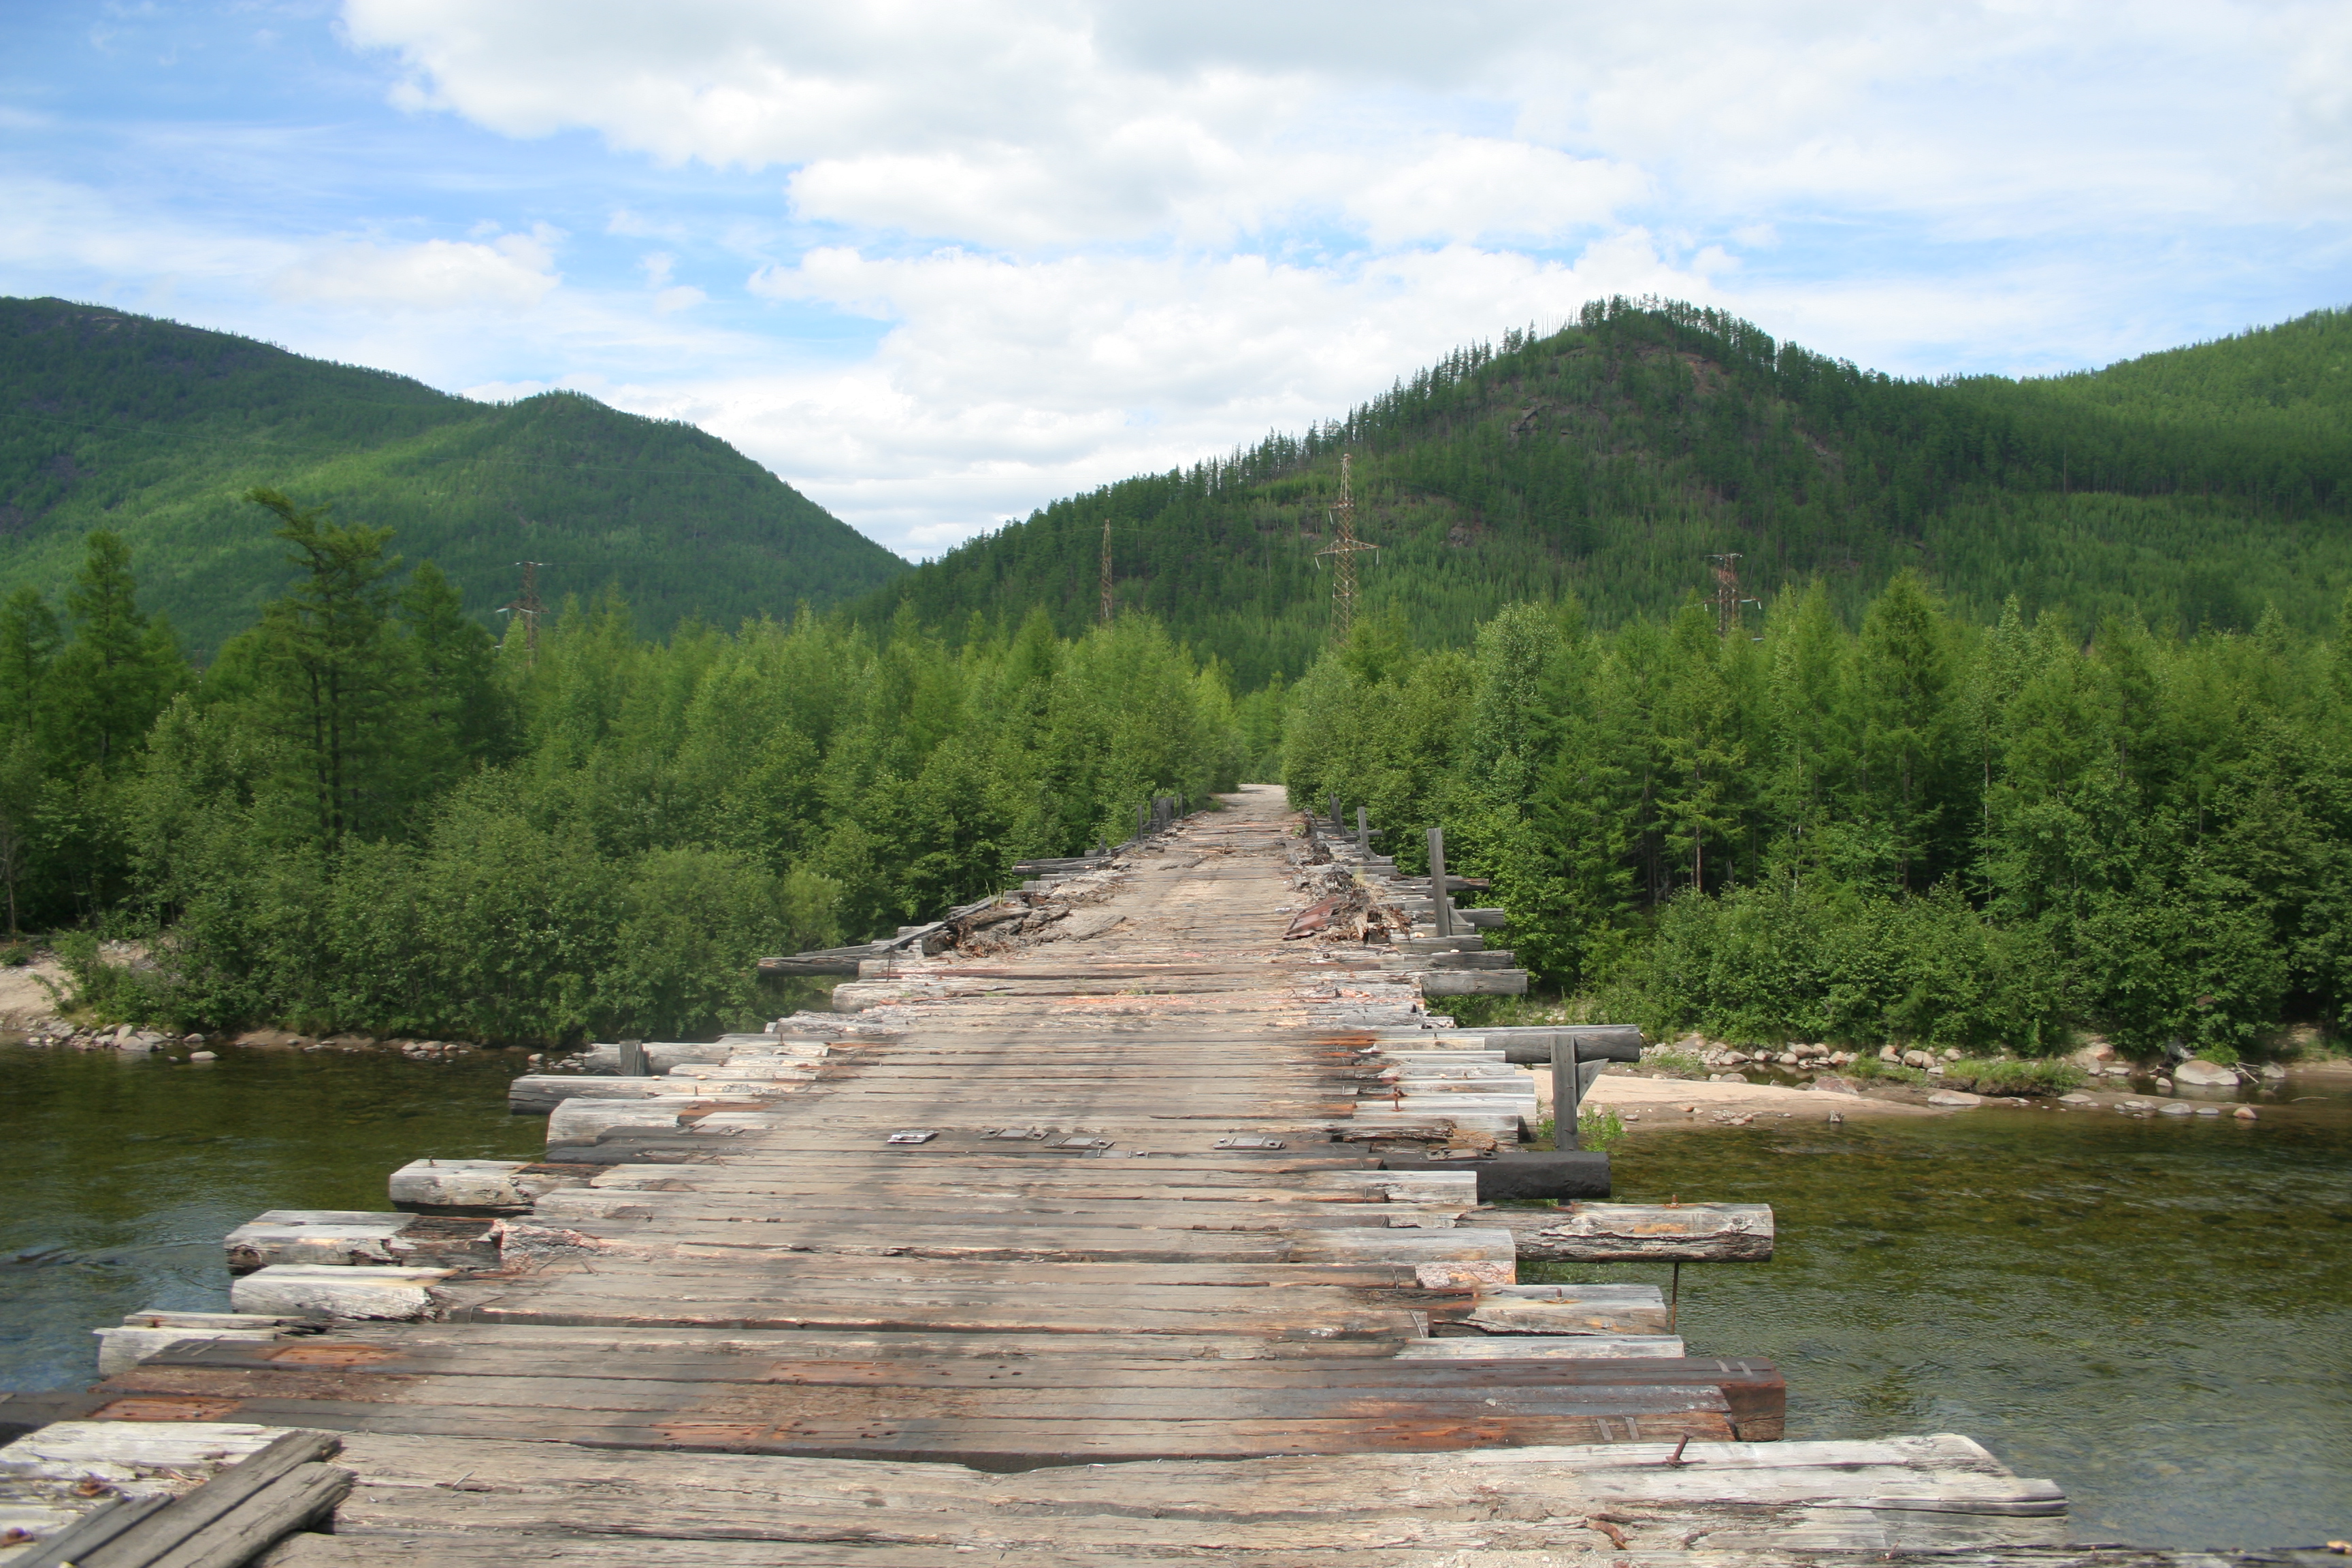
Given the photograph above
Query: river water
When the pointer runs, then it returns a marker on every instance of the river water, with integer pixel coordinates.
(2155, 1315)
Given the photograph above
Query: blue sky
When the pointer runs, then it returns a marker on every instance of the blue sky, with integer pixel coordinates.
(936, 264)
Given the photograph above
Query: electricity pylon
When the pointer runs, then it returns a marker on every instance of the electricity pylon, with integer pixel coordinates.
(1343, 550)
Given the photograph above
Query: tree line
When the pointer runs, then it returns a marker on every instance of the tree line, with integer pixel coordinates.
(365, 813)
(1918, 828)
(1904, 823)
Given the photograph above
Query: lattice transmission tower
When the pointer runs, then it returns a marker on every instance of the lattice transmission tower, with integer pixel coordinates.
(528, 606)
(1343, 550)
(1727, 599)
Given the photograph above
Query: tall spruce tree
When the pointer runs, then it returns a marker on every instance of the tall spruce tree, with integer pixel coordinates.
(335, 671)
(120, 669)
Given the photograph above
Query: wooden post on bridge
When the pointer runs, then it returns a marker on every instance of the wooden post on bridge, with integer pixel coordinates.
(633, 1058)
(1444, 906)
(1566, 1091)
(1364, 833)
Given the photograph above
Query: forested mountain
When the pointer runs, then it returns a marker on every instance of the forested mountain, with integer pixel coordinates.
(154, 431)
(1609, 459)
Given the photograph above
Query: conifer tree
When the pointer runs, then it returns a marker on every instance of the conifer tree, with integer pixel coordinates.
(336, 685)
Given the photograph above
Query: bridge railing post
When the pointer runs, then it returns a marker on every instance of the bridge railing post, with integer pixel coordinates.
(1567, 1092)
(1442, 905)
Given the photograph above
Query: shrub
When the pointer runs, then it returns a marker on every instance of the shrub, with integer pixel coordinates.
(1682, 1064)
(2007, 1076)
(1598, 1131)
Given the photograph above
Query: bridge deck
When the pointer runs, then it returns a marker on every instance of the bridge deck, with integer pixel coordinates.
(1079, 1264)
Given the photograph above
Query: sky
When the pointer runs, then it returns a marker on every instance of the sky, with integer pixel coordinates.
(938, 264)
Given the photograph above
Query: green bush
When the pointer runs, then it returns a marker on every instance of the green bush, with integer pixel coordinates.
(1813, 963)
(1682, 1064)
(2008, 1075)
(1598, 1131)
(114, 992)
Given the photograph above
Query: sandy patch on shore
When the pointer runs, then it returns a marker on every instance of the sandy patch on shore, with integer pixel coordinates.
(24, 1000)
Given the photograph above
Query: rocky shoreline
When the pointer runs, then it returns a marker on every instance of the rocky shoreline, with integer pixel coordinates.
(1695, 1082)
(58, 1034)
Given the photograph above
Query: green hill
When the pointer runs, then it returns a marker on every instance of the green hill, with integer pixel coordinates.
(1611, 458)
(153, 429)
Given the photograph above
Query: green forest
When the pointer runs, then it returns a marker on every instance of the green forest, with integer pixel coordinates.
(2037, 723)
(364, 813)
(155, 432)
(1915, 828)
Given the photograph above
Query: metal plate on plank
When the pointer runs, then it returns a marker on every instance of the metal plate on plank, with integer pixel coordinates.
(911, 1137)
(1248, 1142)
(166, 1407)
(1018, 1134)
(330, 1355)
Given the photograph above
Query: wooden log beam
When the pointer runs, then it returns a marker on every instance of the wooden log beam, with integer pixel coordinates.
(1474, 983)
(342, 1237)
(1635, 1233)
(310, 1290)
(1595, 1042)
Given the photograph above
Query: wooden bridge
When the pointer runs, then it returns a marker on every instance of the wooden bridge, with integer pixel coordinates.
(1120, 1179)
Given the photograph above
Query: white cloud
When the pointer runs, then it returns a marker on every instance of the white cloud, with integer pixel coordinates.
(1000, 249)
(1004, 382)
(512, 272)
(1060, 122)
(1467, 187)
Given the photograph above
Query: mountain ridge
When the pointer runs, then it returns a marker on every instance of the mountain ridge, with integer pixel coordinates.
(1610, 459)
(156, 429)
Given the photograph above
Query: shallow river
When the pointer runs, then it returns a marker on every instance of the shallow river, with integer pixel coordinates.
(2155, 1315)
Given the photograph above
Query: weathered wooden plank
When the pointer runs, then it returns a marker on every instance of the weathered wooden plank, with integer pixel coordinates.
(1474, 983)
(315, 1236)
(300, 1289)
(1604, 1233)
(297, 1500)
(91, 1533)
(998, 1444)
(483, 1548)
(538, 1094)
(166, 1536)
(649, 1494)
